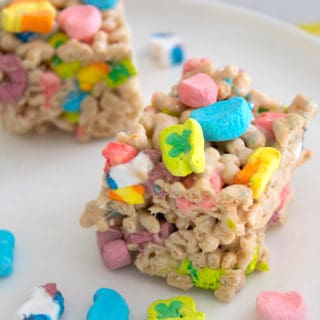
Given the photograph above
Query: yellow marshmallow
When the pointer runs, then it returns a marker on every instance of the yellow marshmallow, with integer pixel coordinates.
(89, 75)
(182, 148)
(259, 169)
(31, 15)
(131, 195)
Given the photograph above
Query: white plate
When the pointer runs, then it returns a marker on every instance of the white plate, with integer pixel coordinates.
(46, 181)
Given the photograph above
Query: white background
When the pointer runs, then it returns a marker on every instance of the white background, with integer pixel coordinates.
(303, 11)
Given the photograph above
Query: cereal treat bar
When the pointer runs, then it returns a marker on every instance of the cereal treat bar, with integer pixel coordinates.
(67, 64)
(190, 192)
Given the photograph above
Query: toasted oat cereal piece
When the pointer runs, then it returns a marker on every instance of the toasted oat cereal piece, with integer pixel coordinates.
(67, 64)
(196, 210)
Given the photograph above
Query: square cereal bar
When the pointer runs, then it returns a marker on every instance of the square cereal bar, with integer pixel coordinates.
(189, 193)
(67, 64)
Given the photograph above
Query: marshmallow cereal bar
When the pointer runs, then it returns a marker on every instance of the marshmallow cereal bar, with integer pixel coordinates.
(188, 194)
(67, 64)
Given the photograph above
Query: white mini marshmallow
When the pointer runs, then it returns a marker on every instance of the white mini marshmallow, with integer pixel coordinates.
(166, 48)
(132, 173)
(40, 302)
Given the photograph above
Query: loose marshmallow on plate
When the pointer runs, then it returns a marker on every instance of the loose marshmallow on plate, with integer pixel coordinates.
(46, 302)
(108, 304)
(6, 253)
(166, 48)
(272, 305)
(181, 307)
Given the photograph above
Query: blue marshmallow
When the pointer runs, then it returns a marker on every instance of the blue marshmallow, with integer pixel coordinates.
(102, 4)
(26, 36)
(7, 243)
(177, 55)
(108, 305)
(224, 120)
(45, 303)
(73, 101)
(166, 48)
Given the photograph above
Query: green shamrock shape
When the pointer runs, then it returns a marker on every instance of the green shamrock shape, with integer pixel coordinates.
(180, 143)
(180, 307)
(170, 311)
(182, 148)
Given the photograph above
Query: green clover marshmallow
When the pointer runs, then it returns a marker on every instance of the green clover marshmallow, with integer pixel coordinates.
(177, 308)
(182, 148)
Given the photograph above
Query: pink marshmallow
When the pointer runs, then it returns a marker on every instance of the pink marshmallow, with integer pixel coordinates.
(275, 217)
(113, 233)
(157, 239)
(271, 305)
(216, 182)
(115, 254)
(51, 289)
(265, 122)
(189, 181)
(143, 237)
(166, 228)
(118, 153)
(207, 203)
(186, 206)
(81, 131)
(198, 91)
(139, 238)
(13, 88)
(49, 83)
(106, 167)
(80, 22)
(285, 192)
(193, 63)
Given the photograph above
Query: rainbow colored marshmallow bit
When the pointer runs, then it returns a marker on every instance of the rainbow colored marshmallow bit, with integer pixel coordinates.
(46, 302)
(189, 193)
(67, 64)
(28, 16)
(166, 48)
